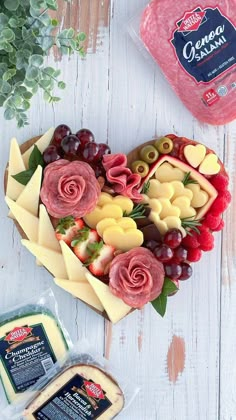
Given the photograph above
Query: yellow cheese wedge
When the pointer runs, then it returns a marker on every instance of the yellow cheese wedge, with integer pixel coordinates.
(115, 308)
(75, 269)
(29, 198)
(27, 221)
(42, 143)
(53, 261)
(82, 291)
(46, 233)
(16, 165)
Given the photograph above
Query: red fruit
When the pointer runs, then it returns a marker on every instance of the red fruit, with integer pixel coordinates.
(187, 271)
(206, 239)
(163, 253)
(172, 270)
(220, 182)
(70, 145)
(51, 154)
(221, 203)
(60, 132)
(194, 254)
(220, 226)
(90, 152)
(173, 238)
(101, 259)
(85, 136)
(67, 228)
(180, 254)
(103, 149)
(212, 221)
(81, 242)
(191, 241)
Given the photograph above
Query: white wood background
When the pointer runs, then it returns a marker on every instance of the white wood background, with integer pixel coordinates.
(125, 101)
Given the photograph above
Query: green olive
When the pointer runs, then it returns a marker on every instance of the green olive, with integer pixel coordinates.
(164, 145)
(149, 154)
(140, 167)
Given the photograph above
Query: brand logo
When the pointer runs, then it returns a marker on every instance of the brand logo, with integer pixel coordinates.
(18, 334)
(191, 21)
(94, 390)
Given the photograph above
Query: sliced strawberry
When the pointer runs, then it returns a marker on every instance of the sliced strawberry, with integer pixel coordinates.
(81, 242)
(67, 228)
(100, 259)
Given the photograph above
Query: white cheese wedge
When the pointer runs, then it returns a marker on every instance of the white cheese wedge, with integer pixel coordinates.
(41, 143)
(27, 221)
(53, 261)
(82, 291)
(16, 165)
(46, 233)
(115, 308)
(74, 267)
(29, 198)
(88, 390)
(14, 327)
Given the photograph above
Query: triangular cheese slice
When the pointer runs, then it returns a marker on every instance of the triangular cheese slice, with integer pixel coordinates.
(29, 198)
(46, 234)
(27, 221)
(16, 165)
(74, 267)
(41, 143)
(53, 261)
(82, 291)
(115, 308)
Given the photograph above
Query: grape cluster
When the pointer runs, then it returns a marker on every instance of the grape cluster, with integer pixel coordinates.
(79, 146)
(172, 254)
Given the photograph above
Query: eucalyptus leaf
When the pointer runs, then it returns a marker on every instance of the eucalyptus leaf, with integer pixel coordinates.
(36, 60)
(9, 114)
(32, 73)
(11, 5)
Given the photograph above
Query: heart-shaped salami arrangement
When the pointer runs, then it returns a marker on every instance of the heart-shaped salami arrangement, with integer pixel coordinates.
(116, 231)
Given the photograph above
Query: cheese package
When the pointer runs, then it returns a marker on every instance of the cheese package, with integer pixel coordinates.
(32, 340)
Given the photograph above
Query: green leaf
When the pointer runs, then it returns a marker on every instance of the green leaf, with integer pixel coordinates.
(24, 176)
(61, 85)
(81, 36)
(36, 60)
(38, 4)
(36, 158)
(52, 4)
(2, 100)
(5, 87)
(159, 304)
(54, 22)
(32, 73)
(3, 20)
(11, 5)
(169, 287)
(27, 95)
(9, 114)
(9, 74)
(8, 34)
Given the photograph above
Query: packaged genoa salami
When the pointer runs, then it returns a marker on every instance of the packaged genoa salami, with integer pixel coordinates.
(194, 43)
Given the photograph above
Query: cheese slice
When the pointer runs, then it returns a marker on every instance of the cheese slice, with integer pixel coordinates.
(31, 341)
(53, 261)
(29, 198)
(27, 221)
(82, 291)
(46, 233)
(41, 143)
(81, 390)
(115, 308)
(75, 269)
(15, 165)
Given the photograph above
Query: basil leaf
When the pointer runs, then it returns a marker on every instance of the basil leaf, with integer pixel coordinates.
(36, 158)
(169, 287)
(159, 304)
(24, 176)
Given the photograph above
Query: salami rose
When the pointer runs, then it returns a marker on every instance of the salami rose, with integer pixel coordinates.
(69, 189)
(136, 277)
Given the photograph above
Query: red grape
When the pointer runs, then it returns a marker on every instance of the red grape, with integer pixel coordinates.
(180, 254)
(85, 136)
(173, 238)
(163, 253)
(151, 244)
(99, 171)
(187, 271)
(103, 149)
(70, 145)
(51, 154)
(173, 270)
(89, 152)
(60, 132)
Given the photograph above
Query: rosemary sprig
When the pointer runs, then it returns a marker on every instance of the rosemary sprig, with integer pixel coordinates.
(187, 180)
(145, 187)
(190, 223)
(138, 211)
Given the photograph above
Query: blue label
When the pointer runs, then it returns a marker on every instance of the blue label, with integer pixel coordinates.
(78, 399)
(26, 355)
(205, 43)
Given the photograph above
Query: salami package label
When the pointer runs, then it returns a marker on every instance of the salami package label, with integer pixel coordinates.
(78, 399)
(195, 46)
(26, 355)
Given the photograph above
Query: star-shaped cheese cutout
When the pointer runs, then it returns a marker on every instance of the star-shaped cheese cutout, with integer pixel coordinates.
(157, 189)
(167, 173)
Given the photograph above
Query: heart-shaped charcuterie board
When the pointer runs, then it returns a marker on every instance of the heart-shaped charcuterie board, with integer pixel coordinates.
(116, 231)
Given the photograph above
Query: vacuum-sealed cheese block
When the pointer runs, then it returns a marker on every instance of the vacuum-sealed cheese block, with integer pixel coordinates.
(79, 392)
(194, 43)
(31, 341)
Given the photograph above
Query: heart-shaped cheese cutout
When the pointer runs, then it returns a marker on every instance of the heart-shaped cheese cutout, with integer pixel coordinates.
(125, 203)
(210, 165)
(173, 222)
(180, 190)
(200, 197)
(195, 154)
(160, 225)
(168, 209)
(167, 173)
(158, 189)
(184, 206)
(99, 213)
(124, 222)
(121, 239)
(155, 205)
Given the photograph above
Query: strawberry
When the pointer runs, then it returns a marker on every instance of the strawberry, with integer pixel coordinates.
(67, 228)
(81, 242)
(101, 256)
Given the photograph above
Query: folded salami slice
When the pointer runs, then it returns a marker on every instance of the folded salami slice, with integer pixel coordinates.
(194, 43)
